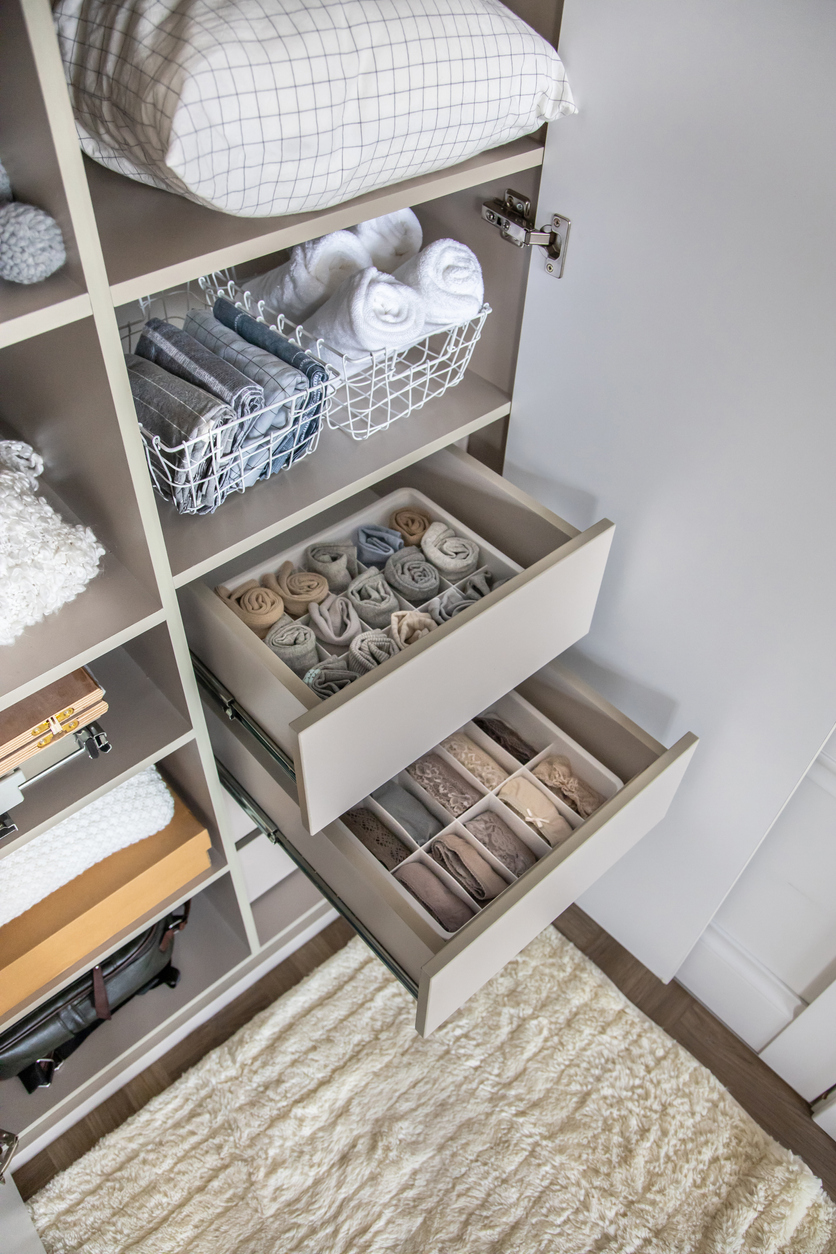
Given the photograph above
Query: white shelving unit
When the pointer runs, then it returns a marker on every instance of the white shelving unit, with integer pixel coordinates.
(65, 390)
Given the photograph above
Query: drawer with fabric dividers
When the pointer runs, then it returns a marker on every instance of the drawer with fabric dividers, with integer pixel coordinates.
(556, 713)
(345, 746)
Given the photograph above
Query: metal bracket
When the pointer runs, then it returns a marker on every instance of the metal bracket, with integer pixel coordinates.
(229, 706)
(513, 219)
(8, 1145)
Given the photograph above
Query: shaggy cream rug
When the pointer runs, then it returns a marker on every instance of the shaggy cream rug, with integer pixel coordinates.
(548, 1117)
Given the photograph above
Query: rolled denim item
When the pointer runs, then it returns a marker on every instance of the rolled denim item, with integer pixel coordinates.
(467, 866)
(411, 523)
(369, 649)
(298, 588)
(328, 678)
(445, 785)
(295, 644)
(448, 910)
(455, 556)
(412, 576)
(181, 354)
(480, 764)
(377, 838)
(256, 606)
(335, 620)
(375, 545)
(505, 736)
(336, 562)
(532, 805)
(373, 598)
(557, 774)
(498, 839)
(407, 626)
(407, 810)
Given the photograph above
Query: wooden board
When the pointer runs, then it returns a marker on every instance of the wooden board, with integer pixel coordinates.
(82, 916)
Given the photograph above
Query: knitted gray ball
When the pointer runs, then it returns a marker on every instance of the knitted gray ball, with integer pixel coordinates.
(31, 244)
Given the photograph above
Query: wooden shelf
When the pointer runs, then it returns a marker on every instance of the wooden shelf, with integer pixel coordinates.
(142, 725)
(338, 469)
(153, 240)
(29, 310)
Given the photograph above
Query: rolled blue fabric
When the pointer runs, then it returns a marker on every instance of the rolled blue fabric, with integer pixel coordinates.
(375, 545)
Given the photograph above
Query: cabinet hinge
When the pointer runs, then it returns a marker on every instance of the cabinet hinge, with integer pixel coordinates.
(512, 218)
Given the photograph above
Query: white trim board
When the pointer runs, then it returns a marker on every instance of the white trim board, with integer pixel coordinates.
(737, 988)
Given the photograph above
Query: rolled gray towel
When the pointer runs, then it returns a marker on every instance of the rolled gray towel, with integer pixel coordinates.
(369, 649)
(328, 678)
(375, 545)
(410, 574)
(337, 562)
(407, 810)
(335, 620)
(294, 643)
(455, 556)
(373, 598)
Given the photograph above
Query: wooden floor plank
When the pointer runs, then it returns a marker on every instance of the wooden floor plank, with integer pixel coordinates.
(779, 1110)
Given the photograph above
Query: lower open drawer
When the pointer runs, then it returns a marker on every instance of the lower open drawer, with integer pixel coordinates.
(443, 970)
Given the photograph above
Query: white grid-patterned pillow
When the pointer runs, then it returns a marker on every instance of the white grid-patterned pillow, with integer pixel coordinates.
(261, 107)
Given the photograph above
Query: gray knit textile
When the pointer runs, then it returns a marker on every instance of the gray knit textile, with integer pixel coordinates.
(407, 810)
(294, 643)
(373, 598)
(335, 620)
(31, 244)
(369, 649)
(455, 556)
(337, 562)
(329, 677)
(411, 575)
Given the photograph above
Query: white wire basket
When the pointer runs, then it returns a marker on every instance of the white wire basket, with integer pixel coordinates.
(197, 475)
(377, 388)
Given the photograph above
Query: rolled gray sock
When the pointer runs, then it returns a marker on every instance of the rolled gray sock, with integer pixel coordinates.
(337, 562)
(369, 649)
(328, 678)
(373, 598)
(455, 556)
(335, 620)
(294, 643)
(410, 574)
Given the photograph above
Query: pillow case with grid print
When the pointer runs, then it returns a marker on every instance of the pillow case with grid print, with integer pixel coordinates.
(266, 107)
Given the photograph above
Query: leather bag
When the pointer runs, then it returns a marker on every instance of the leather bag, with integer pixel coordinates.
(34, 1048)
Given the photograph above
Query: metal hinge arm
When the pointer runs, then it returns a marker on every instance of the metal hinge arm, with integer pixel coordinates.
(512, 218)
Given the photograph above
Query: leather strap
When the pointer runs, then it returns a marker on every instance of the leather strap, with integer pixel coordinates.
(175, 925)
(100, 1000)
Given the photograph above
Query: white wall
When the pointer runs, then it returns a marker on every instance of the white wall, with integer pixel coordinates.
(681, 379)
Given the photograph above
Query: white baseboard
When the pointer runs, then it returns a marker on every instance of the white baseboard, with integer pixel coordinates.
(737, 988)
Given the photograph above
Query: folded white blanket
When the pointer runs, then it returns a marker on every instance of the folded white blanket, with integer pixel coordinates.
(368, 312)
(392, 239)
(315, 271)
(134, 811)
(449, 278)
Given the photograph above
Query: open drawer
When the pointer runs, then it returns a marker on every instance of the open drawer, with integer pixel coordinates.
(441, 970)
(347, 745)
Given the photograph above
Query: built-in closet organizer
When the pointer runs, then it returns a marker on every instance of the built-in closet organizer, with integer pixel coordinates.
(443, 972)
(346, 746)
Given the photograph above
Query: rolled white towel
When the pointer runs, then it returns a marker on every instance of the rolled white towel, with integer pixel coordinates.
(314, 272)
(449, 278)
(392, 239)
(368, 312)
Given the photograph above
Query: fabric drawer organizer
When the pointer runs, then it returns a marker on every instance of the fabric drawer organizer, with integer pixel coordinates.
(197, 473)
(529, 840)
(493, 566)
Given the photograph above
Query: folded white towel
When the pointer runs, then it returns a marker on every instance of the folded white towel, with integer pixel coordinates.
(368, 312)
(315, 270)
(449, 277)
(392, 239)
